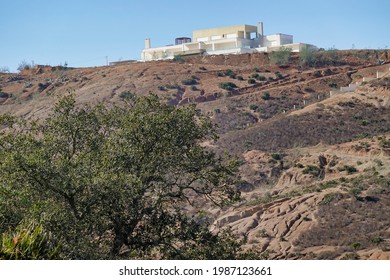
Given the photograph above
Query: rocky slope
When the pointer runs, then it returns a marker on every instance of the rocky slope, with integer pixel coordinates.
(315, 167)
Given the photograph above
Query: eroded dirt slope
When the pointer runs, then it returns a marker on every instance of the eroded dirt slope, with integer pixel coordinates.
(314, 171)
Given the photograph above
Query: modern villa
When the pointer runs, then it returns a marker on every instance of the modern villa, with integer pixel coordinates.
(236, 39)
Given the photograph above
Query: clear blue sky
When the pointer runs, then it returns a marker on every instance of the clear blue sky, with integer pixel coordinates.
(84, 32)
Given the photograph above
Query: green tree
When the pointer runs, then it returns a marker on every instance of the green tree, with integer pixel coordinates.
(281, 56)
(112, 182)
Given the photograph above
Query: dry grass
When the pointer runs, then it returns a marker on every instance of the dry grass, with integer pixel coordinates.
(351, 221)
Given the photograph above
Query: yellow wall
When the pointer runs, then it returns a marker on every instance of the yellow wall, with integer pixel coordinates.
(238, 30)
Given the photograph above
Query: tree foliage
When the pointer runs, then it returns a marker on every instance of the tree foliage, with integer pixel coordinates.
(112, 182)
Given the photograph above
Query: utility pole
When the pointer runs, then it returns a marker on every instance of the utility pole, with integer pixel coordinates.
(106, 60)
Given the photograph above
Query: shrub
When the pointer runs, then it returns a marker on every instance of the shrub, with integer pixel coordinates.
(281, 56)
(309, 89)
(4, 94)
(42, 87)
(356, 245)
(266, 96)
(330, 57)
(278, 75)
(251, 81)
(4, 69)
(311, 169)
(363, 122)
(230, 73)
(351, 256)
(277, 156)
(194, 88)
(356, 190)
(172, 86)
(350, 104)
(307, 56)
(227, 86)
(384, 143)
(253, 107)
(350, 169)
(126, 95)
(240, 78)
(328, 198)
(202, 68)
(178, 58)
(24, 65)
(258, 77)
(189, 82)
(333, 85)
(377, 240)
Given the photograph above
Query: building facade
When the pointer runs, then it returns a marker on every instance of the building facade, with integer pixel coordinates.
(224, 40)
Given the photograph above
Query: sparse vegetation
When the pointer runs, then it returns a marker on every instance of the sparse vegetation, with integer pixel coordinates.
(258, 77)
(126, 95)
(189, 82)
(251, 81)
(229, 86)
(328, 198)
(173, 86)
(266, 96)
(350, 104)
(311, 169)
(309, 89)
(384, 143)
(4, 69)
(43, 86)
(278, 75)
(350, 169)
(230, 73)
(24, 65)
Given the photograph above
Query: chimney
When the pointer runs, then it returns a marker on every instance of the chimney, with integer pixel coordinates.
(260, 32)
(147, 43)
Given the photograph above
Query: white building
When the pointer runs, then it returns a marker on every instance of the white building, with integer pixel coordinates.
(224, 40)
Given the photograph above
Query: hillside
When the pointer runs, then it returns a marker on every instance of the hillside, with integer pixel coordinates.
(315, 166)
